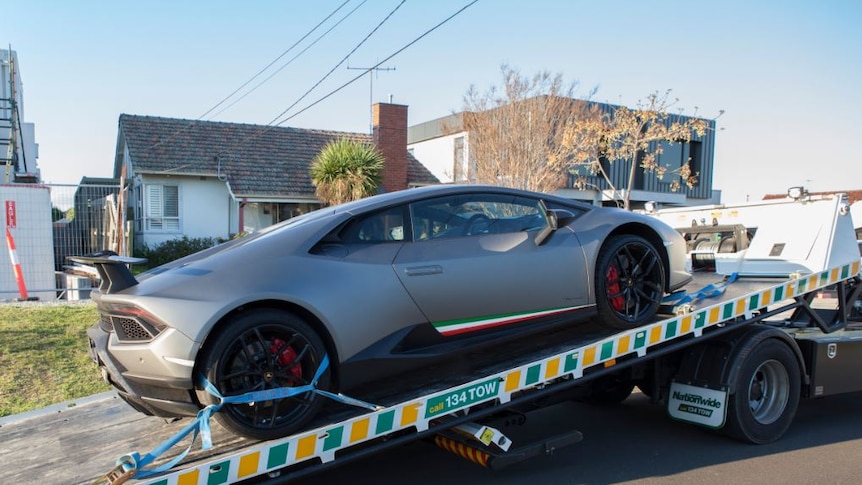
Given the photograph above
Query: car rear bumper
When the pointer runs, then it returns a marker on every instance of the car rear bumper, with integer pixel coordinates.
(155, 397)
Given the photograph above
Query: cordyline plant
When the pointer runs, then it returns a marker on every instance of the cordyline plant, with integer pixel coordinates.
(346, 170)
(632, 136)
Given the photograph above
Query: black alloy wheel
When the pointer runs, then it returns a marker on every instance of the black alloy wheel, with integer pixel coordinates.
(261, 350)
(630, 279)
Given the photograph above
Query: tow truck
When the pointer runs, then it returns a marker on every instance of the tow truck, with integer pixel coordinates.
(735, 351)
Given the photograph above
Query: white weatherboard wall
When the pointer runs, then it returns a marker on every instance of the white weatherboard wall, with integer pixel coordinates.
(34, 241)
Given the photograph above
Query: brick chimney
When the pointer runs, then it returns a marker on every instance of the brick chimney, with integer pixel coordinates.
(390, 137)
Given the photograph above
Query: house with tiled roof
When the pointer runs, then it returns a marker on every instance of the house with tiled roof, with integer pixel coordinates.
(214, 179)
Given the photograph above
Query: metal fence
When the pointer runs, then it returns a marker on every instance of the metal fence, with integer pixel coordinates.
(84, 219)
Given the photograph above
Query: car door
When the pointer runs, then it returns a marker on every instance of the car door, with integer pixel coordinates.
(474, 263)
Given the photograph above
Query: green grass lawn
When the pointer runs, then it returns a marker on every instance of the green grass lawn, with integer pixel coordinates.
(43, 355)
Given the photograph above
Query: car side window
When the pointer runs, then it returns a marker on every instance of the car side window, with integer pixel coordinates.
(377, 227)
(473, 215)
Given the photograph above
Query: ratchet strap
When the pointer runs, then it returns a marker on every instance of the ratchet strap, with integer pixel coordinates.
(133, 464)
(708, 291)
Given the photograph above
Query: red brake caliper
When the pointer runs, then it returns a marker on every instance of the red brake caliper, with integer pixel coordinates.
(613, 281)
(287, 357)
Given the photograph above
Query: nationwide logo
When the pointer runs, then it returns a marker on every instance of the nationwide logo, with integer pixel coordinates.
(696, 399)
(697, 405)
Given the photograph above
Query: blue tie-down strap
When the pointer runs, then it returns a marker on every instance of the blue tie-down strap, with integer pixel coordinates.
(134, 464)
(708, 291)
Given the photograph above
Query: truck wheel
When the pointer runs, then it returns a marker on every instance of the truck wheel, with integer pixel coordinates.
(765, 395)
(259, 350)
(629, 282)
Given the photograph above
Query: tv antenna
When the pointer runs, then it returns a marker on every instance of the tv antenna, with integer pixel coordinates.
(376, 69)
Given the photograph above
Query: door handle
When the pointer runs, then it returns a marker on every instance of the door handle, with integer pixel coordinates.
(424, 270)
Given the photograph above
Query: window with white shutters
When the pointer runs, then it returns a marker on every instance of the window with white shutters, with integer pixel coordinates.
(163, 208)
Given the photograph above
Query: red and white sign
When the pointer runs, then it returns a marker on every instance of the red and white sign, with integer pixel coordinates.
(11, 218)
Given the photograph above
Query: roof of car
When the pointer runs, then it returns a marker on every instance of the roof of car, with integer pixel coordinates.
(382, 200)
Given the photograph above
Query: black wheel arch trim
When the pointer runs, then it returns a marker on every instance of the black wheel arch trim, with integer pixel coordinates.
(700, 363)
(648, 233)
(750, 339)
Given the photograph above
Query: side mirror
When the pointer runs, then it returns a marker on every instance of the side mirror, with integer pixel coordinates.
(563, 216)
(553, 221)
(550, 225)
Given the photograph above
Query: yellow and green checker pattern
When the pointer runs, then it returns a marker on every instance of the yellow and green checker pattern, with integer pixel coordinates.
(322, 443)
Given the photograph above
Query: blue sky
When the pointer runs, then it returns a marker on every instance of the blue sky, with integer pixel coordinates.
(788, 74)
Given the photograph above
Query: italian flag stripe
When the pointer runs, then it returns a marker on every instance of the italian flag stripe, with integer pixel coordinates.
(465, 325)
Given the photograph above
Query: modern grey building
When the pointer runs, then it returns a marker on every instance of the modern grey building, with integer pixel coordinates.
(442, 145)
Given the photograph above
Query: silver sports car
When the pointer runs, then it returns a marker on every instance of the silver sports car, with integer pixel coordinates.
(376, 286)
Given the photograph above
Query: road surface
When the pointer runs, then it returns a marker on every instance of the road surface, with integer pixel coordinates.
(632, 443)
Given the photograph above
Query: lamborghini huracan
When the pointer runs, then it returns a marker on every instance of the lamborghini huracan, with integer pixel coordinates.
(377, 286)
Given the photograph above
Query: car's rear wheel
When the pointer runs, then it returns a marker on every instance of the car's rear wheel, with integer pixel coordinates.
(259, 350)
(629, 282)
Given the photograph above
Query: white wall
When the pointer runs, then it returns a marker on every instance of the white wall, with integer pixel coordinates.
(856, 214)
(206, 209)
(33, 239)
(438, 155)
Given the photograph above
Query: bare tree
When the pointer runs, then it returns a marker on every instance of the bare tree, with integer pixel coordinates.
(633, 136)
(514, 131)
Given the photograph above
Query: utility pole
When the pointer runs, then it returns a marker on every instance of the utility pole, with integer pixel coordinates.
(371, 91)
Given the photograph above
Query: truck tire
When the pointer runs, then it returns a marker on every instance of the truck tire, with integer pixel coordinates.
(765, 393)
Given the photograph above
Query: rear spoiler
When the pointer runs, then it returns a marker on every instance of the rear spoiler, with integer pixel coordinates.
(113, 270)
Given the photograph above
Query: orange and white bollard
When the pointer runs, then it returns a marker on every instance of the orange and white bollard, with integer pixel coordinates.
(16, 265)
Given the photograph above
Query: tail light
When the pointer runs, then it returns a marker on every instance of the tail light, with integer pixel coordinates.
(130, 323)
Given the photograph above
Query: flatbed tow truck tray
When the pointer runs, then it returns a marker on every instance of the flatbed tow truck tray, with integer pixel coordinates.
(78, 445)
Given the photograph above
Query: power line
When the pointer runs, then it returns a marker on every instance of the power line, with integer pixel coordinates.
(417, 39)
(309, 46)
(351, 81)
(195, 122)
(342, 61)
(279, 57)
